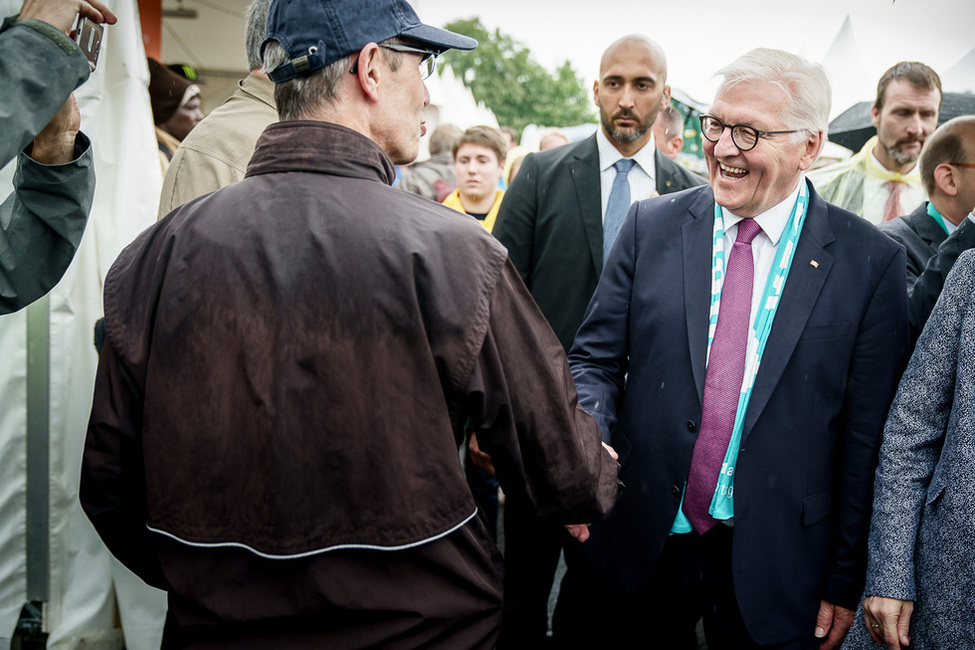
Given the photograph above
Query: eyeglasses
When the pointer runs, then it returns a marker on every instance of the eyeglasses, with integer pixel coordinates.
(957, 164)
(428, 62)
(745, 137)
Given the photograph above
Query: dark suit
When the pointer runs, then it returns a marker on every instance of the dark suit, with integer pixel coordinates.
(813, 427)
(924, 292)
(551, 223)
(919, 234)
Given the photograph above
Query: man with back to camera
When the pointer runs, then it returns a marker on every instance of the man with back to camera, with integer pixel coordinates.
(883, 181)
(940, 229)
(216, 151)
(291, 362)
(558, 221)
(43, 220)
(740, 352)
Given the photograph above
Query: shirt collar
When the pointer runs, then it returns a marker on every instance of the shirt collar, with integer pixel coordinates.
(773, 220)
(608, 154)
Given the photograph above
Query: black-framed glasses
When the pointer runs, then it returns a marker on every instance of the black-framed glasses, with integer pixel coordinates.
(428, 62)
(745, 137)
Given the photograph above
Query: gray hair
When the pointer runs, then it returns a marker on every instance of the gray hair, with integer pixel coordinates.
(805, 84)
(256, 29)
(298, 98)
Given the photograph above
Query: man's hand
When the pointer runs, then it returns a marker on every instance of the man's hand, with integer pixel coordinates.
(888, 620)
(832, 624)
(61, 13)
(478, 457)
(55, 144)
(581, 531)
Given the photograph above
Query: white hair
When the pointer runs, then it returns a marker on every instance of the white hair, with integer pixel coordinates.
(804, 83)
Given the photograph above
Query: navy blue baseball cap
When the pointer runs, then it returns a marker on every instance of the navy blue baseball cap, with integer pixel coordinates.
(316, 33)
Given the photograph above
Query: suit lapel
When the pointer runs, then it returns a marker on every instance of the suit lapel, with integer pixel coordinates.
(926, 227)
(810, 269)
(696, 244)
(584, 170)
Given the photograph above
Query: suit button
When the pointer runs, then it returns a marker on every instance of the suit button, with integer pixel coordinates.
(675, 491)
(691, 426)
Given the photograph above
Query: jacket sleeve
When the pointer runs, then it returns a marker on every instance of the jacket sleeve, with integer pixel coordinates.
(523, 406)
(922, 295)
(879, 357)
(41, 224)
(113, 490)
(39, 67)
(515, 227)
(913, 439)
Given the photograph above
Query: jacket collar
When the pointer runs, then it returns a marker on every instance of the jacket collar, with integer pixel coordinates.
(319, 147)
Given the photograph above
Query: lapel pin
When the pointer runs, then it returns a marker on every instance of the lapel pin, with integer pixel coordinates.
(814, 264)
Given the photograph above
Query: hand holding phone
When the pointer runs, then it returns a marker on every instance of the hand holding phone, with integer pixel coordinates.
(88, 36)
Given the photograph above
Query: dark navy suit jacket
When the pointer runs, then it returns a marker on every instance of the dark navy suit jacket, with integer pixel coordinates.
(804, 477)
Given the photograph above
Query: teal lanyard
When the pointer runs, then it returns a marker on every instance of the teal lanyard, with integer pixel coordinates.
(722, 504)
(934, 214)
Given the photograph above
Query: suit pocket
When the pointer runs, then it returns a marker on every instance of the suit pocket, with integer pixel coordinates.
(825, 331)
(817, 507)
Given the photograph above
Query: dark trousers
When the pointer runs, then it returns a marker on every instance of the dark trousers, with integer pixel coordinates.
(691, 579)
(531, 556)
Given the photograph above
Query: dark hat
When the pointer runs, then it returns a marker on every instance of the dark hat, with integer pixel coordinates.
(316, 33)
(166, 90)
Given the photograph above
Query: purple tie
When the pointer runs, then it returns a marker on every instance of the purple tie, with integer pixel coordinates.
(722, 382)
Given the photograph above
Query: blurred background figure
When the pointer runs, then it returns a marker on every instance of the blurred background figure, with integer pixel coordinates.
(434, 178)
(668, 131)
(552, 138)
(217, 151)
(478, 163)
(175, 108)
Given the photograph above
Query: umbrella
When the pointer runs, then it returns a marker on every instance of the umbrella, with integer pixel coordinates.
(852, 128)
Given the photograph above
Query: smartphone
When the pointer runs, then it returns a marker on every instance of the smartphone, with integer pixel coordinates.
(88, 36)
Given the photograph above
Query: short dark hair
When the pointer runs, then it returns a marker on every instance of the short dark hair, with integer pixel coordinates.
(946, 144)
(485, 136)
(915, 73)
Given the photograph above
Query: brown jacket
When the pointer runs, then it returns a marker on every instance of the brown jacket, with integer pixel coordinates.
(290, 364)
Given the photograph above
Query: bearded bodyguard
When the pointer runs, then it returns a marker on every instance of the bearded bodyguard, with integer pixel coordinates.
(740, 352)
(291, 361)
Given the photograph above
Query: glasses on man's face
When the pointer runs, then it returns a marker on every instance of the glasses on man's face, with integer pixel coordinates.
(745, 137)
(428, 62)
(960, 164)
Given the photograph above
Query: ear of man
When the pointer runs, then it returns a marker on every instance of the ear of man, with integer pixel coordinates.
(944, 178)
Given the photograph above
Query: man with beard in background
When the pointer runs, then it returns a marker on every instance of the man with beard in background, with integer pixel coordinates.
(883, 180)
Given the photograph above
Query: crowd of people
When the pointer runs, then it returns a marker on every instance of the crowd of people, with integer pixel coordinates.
(742, 401)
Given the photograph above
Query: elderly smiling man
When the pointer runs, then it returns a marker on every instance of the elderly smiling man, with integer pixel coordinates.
(740, 352)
